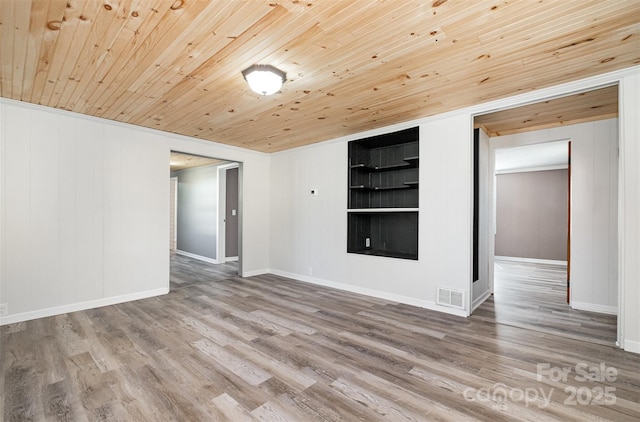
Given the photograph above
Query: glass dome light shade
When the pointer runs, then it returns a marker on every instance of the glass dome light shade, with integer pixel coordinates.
(264, 79)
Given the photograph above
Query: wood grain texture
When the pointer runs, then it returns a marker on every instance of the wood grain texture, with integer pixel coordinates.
(578, 108)
(181, 161)
(533, 296)
(352, 65)
(226, 348)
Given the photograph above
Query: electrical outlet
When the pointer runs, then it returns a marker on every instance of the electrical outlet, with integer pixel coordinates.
(310, 271)
(367, 242)
(4, 309)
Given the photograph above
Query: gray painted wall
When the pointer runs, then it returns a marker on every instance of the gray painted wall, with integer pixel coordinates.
(198, 211)
(231, 219)
(531, 214)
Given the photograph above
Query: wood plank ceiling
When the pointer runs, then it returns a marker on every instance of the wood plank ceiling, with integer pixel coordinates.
(578, 108)
(181, 161)
(351, 65)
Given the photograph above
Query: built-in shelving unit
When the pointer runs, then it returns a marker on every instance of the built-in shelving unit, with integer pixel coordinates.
(383, 195)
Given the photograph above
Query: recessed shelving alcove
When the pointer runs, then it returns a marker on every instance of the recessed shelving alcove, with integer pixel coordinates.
(383, 195)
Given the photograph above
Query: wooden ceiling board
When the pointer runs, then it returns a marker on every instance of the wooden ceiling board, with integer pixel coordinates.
(352, 65)
(181, 73)
(96, 55)
(182, 161)
(207, 73)
(139, 68)
(578, 108)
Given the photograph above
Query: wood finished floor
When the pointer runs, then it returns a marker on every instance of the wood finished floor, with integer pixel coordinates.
(186, 271)
(534, 297)
(269, 348)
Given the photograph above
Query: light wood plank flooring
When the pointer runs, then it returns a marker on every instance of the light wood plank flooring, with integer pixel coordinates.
(186, 271)
(273, 349)
(534, 296)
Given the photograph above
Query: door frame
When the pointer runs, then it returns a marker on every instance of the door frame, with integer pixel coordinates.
(175, 213)
(222, 201)
(569, 222)
(493, 202)
(492, 210)
(627, 81)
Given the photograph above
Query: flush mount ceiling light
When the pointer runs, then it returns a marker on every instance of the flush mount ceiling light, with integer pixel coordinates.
(264, 79)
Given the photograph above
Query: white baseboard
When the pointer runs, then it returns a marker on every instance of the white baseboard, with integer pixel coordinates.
(74, 307)
(256, 272)
(421, 303)
(592, 307)
(530, 260)
(631, 346)
(479, 301)
(198, 257)
(230, 258)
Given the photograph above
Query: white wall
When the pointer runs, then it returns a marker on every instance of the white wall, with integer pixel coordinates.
(594, 234)
(173, 207)
(629, 230)
(305, 234)
(481, 288)
(85, 210)
(255, 190)
(594, 208)
(309, 232)
(198, 209)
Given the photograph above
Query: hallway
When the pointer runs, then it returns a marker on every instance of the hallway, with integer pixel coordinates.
(187, 271)
(533, 296)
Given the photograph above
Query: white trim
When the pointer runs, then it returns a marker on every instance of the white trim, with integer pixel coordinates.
(198, 257)
(530, 260)
(174, 241)
(230, 258)
(241, 233)
(480, 300)
(632, 346)
(421, 303)
(204, 167)
(170, 135)
(592, 307)
(221, 213)
(621, 341)
(3, 204)
(627, 135)
(470, 209)
(557, 91)
(553, 92)
(231, 165)
(81, 306)
(530, 169)
(221, 208)
(254, 273)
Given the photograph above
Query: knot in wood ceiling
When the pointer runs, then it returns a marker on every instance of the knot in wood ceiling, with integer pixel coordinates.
(175, 65)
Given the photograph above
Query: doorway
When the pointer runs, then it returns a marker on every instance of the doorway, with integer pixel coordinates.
(531, 202)
(205, 249)
(228, 218)
(594, 178)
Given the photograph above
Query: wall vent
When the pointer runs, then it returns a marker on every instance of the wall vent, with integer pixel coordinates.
(450, 297)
